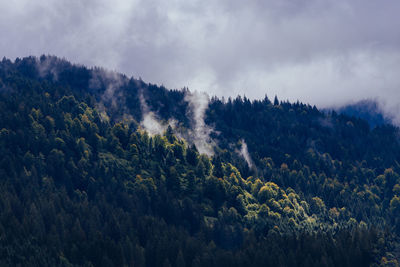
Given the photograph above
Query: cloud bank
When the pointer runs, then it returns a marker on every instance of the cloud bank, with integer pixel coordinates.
(321, 52)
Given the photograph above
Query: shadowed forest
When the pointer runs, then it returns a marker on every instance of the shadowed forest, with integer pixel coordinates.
(99, 169)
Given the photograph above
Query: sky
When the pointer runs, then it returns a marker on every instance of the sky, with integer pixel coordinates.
(322, 52)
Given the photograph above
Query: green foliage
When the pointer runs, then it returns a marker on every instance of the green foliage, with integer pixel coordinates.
(81, 185)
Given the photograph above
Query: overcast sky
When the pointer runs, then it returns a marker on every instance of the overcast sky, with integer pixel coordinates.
(323, 52)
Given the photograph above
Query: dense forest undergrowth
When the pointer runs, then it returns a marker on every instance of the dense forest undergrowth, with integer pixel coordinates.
(98, 169)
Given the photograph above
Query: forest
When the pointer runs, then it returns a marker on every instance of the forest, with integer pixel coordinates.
(101, 169)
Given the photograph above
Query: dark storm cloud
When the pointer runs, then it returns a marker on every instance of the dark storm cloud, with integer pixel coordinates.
(320, 51)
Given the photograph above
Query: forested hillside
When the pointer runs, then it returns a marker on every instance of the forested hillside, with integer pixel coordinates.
(99, 169)
(369, 110)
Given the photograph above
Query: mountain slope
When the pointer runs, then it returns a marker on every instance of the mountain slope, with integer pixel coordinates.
(84, 183)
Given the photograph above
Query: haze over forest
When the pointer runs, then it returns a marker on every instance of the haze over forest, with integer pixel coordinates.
(175, 133)
(327, 53)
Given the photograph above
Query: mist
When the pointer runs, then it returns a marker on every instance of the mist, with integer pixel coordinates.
(244, 152)
(326, 53)
(149, 122)
(199, 134)
(112, 81)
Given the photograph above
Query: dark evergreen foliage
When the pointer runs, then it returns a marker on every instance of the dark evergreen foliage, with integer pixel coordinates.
(81, 184)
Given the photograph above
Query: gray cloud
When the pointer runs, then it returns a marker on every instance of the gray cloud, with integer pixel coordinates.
(321, 52)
